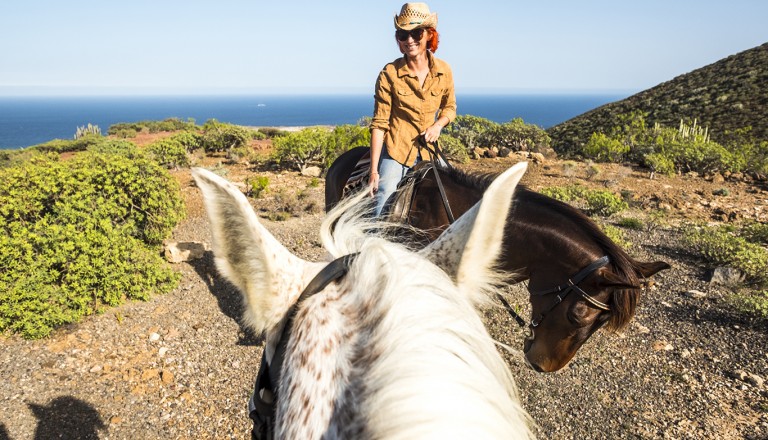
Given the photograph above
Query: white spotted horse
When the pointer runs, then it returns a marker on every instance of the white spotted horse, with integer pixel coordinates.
(383, 342)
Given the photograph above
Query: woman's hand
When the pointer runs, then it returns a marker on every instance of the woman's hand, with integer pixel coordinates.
(373, 183)
(432, 133)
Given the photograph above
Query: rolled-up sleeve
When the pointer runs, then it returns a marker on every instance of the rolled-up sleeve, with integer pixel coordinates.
(382, 107)
(448, 103)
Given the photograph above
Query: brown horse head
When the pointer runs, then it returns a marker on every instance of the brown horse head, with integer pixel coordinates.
(564, 320)
(547, 242)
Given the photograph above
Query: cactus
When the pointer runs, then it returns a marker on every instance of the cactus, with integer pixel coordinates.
(86, 130)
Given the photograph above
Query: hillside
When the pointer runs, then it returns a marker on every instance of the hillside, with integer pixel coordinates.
(729, 94)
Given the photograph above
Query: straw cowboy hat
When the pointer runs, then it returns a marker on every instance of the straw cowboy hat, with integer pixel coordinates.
(415, 15)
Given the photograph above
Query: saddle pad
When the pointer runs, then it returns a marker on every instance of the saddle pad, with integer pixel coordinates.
(359, 176)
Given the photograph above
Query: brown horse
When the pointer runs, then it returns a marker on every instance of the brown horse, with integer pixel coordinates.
(579, 280)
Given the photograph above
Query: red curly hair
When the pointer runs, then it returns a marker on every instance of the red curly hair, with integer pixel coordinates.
(434, 39)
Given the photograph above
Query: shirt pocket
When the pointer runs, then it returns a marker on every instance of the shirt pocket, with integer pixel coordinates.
(407, 99)
(435, 98)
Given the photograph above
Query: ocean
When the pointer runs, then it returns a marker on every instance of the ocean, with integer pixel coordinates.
(26, 121)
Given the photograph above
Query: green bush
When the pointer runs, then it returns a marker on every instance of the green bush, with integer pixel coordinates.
(593, 202)
(302, 148)
(219, 136)
(469, 130)
(605, 149)
(752, 302)
(169, 153)
(453, 148)
(755, 232)
(256, 185)
(66, 146)
(616, 235)
(120, 147)
(516, 135)
(190, 140)
(721, 246)
(631, 223)
(170, 124)
(79, 235)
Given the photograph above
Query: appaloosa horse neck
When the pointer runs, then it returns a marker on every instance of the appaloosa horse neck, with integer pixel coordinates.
(393, 349)
(546, 242)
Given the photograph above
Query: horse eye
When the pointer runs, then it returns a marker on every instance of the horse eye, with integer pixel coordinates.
(578, 314)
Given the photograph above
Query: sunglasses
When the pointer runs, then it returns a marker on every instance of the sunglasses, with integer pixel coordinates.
(416, 34)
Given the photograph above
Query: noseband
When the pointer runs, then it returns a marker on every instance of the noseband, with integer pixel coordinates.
(261, 407)
(572, 284)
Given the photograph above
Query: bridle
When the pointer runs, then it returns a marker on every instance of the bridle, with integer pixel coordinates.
(563, 290)
(262, 404)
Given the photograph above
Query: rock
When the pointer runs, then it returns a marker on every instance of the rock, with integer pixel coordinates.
(166, 377)
(695, 294)
(311, 171)
(537, 157)
(726, 276)
(750, 378)
(755, 380)
(176, 252)
(154, 337)
(504, 152)
(641, 329)
(662, 345)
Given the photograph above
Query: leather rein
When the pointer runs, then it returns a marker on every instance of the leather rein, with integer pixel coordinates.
(261, 407)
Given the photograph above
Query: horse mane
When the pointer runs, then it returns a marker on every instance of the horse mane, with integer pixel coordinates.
(624, 301)
(417, 333)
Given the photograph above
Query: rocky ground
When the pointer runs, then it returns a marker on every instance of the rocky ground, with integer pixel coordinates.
(181, 365)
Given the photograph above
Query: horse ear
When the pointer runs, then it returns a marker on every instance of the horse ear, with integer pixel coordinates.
(646, 270)
(248, 255)
(469, 248)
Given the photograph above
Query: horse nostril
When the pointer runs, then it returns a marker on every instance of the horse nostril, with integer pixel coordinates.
(527, 344)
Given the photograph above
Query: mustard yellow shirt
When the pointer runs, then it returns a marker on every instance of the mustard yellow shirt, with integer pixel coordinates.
(403, 109)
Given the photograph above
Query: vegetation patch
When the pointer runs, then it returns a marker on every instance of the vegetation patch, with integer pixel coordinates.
(594, 202)
(722, 245)
(82, 234)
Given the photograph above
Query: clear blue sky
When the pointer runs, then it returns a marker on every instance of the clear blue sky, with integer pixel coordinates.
(242, 46)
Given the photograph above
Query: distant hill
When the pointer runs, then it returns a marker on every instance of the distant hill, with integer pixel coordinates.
(729, 94)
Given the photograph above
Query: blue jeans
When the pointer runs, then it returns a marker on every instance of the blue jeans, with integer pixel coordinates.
(390, 174)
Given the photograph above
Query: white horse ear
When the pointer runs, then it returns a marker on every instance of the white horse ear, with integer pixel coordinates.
(248, 255)
(469, 248)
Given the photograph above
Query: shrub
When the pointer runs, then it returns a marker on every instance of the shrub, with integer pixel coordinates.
(190, 140)
(752, 302)
(256, 185)
(516, 135)
(123, 148)
(718, 245)
(630, 223)
(79, 235)
(302, 148)
(755, 232)
(66, 146)
(169, 124)
(219, 136)
(469, 130)
(605, 149)
(169, 153)
(616, 235)
(272, 132)
(593, 202)
(453, 148)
